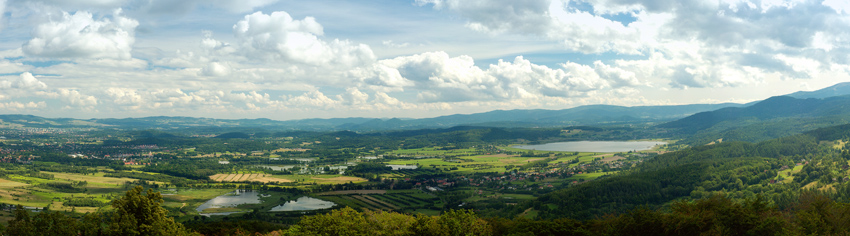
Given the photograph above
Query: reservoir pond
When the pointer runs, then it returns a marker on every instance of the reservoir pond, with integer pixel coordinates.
(594, 146)
(231, 199)
(403, 167)
(304, 204)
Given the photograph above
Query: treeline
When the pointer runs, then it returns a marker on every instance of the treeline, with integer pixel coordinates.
(176, 181)
(138, 212)
(814, 214)
(73, 187)
(741, 169)
(196, 169)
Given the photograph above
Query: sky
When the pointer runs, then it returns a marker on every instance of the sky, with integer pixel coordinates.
(287, 59)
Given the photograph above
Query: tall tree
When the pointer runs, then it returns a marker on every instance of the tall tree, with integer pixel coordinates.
(141, 214)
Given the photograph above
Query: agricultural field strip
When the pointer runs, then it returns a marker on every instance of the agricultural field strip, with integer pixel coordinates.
(406, 201)
(370, 202)
(89, 178)
(357, 202)
(391, 201)
(229, 177)
(380, 202)
(9, 183)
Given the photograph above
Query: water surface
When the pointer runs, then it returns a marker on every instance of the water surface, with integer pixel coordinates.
(594, 146)
(403, 167)
(304, 204)
(276, 168)
(231, 199)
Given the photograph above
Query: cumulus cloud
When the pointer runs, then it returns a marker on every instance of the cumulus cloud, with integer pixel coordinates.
(313, 99)
(76, 98)
(28, 81)
(19, 106)
(2, 13)
(277, 36)
(79, 35)
(499, 15)
(438, 77)
(701, 43)
(83, 3)
(183, 6)
(575, 29)
(216, 69)
(273, 62)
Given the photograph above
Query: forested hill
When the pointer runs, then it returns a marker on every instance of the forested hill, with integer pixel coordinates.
(772, 118)
(737, 169)
(583, 115)
(775, 107)
(839, 89)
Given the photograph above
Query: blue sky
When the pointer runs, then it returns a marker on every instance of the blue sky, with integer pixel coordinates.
(284, 60)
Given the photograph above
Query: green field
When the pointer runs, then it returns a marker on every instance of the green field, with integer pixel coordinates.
(395, 200)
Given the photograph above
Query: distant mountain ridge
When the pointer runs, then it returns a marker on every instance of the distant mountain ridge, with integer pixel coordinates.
(583, 115)
(693, 116)
(839, 89)
(806, 110)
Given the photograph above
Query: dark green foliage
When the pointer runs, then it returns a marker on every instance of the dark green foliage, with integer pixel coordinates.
(75, 187)
(369, 167)
(44, 223)
(234, 135)
(716, 215)
(347, 221)
(207, 227)
(84, 202)
(621, 193)
(136, 213)
(743, 168)
(772, 118)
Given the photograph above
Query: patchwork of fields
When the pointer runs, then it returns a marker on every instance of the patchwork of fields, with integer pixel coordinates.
(396, 200)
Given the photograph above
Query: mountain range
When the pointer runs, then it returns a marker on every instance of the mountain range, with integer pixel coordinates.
(696, 117)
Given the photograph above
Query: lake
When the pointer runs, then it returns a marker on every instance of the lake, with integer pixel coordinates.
(594, 146)
(276, 168)
(403, 167)
(231, 199)
(304, 204)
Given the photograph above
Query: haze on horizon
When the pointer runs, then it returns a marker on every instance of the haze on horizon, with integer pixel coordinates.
(284, 59)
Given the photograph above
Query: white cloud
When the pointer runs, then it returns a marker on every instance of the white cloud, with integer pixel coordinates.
(839, 6)
(24, 82)
(19, 106)
(312, 99)
(353, 97)
(689, 44)
(8, 67)
(29, 82)
(83, 3)
(81, 36)
(216, 69)
(499, 15)
(279, 37)
(76, 98)
(574, 29)
(269, 64)
(437, 77)
(183, 6)
(2, 14)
